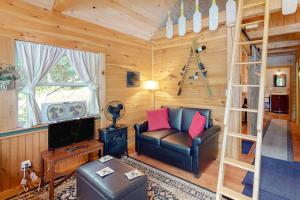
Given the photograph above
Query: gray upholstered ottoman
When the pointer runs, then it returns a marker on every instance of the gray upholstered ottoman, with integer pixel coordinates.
(91, 186)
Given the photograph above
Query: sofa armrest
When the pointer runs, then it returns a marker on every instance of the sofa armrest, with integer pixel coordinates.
(206, 135)
(141, 127)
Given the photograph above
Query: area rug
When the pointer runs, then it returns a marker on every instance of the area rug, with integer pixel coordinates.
(277, 141)
(280, 180)
(161, 186)
(246, 146)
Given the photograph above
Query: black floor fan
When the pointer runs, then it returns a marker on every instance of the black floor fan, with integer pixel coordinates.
(114, 111)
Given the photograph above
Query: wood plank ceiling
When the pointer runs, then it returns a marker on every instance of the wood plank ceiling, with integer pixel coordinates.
(140, 18)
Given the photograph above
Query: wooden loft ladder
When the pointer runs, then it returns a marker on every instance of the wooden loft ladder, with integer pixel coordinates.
(221, 189)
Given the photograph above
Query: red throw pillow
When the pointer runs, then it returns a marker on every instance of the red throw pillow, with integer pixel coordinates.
(197, 125)
(158, 119)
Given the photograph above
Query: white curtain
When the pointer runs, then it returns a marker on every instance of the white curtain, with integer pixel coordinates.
(88, 66)
(36, 60)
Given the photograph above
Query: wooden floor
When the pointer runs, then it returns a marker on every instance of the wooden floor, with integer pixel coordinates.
(233, 176)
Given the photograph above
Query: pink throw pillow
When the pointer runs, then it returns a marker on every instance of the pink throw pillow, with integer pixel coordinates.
(197, 125)
(158, 119)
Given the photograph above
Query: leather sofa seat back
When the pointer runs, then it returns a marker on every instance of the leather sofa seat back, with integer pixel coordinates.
(188, 114)
(175, 116)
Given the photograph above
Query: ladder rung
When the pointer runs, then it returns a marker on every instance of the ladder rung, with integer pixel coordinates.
(252, 23)
(246, 85)
(254, 5)
(242, 136)
(233, 194)
(249, 63)
(239, 164)
(252, 42)
(244, 110)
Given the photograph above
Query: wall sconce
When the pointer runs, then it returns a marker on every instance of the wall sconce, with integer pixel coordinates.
(152, 86)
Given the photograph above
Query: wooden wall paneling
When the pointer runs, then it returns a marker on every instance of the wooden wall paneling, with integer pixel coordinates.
(7, 51)
(5, 181)
(13, 162)
(293, 92)
(169, 58)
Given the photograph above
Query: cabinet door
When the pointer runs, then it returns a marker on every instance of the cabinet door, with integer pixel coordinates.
(284, 104)
(275, 103)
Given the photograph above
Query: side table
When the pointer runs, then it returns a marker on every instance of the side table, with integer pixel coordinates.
(114, 140)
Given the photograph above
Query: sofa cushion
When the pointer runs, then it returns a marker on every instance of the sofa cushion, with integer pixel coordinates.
(155, 136)
(175, 115)
(158, 119)
(188, 114)
(197, 125)
(179, 142)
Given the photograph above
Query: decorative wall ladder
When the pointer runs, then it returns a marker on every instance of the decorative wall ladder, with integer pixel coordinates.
(194, 59)
(221, 189)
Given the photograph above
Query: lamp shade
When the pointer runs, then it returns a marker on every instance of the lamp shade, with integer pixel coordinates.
(151, 85)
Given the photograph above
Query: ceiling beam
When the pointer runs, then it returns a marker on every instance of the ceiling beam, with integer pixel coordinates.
(62, 5)
(283, 50)
(277, 30)
(285, 37)
(275, 6)
(282, 44)
(281, 54)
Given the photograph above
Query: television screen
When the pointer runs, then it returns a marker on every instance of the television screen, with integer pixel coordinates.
(69, 132)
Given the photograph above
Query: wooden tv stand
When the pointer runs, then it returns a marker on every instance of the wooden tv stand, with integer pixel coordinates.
(51, 157)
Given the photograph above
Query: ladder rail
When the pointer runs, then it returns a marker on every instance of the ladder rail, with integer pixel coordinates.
(261, 110)
(233, 59)
(228, 98)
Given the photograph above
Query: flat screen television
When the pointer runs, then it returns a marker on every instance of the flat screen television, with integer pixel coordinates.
(69, 132)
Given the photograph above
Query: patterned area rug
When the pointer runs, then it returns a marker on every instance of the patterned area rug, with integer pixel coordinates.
(161, 186)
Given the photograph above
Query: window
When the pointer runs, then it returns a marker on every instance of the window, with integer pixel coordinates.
(61, 84)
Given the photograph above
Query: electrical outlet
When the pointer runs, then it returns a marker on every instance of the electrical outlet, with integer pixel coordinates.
(25, 165)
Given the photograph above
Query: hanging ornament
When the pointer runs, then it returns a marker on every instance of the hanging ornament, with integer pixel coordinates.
(169, 27)
(197, 17)
(182, 21)
(230, 12)
(289, 6)
(213, 16)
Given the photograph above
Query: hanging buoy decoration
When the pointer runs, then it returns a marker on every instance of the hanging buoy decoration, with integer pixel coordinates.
(197, 17)
(169, 27)
(182, 21)
(230, 12)
(289, 6)
(213, 16)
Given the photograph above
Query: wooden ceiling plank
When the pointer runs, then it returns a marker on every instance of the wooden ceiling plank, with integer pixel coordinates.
(46, 4)
(131, 13)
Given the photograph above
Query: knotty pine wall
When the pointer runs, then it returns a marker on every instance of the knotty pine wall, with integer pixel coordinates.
(22, 21)
(169, 58)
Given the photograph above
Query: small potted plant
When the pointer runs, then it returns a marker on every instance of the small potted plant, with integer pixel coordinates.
(8, 77)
